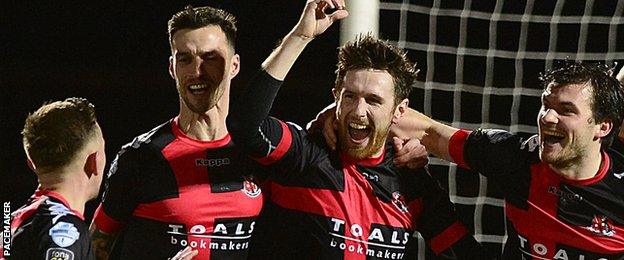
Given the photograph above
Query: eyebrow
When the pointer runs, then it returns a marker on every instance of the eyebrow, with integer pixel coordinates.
(202, 54)
(564, 104)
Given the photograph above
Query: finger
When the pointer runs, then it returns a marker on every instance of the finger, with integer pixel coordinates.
(319, 12)
(190, 255)
(620, 75)
(328, 3)
(418, 164)
(340, 4)
(338, 15)
(398, 143)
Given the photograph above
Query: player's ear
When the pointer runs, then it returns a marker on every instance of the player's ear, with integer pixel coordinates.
(171, 67)
(400, 110)
(604, 128)
(90, 167)
(235, 65)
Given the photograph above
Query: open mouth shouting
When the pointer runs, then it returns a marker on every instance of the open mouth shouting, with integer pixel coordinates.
(197, 89)
(359, 132)
(551, 137)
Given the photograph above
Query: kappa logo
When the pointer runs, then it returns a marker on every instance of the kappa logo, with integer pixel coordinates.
(399, 201)
(64, 234)
(601, 226)
(250, 188)
(212, 162)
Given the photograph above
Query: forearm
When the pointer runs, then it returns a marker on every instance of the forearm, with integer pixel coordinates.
(251, 109)
(102, 242)
(281, 60)
(433, 135)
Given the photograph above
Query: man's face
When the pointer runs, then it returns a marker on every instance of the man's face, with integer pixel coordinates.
(365, 110)
(202, 64)
(567, 129)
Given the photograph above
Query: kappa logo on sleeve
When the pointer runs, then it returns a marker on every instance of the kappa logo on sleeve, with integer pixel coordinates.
(56, 253)
(64, 234)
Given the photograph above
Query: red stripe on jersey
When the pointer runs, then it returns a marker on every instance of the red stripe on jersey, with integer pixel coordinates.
(62, 199)
(104, 222)
(357, 202)
(602, 171)
(25, 213)
(181, 136)
(540, 228)
(456, 147)
(281, 149)
(448, 237)
(196, 204)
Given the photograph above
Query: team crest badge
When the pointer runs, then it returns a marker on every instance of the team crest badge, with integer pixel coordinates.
(399, 201)
(250, 188)
(64, 234)
(601, 226)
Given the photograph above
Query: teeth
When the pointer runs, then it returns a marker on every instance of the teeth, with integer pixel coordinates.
(553, 133)
(197, 86)
(357, 126)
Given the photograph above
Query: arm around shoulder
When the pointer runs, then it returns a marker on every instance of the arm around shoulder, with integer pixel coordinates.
(434, 135)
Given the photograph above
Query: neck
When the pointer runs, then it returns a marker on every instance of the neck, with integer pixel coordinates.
(208, 126)
(74, 191)
(585, 169)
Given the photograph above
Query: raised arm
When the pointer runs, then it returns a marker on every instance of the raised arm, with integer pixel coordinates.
(313, 22)
(248, 121)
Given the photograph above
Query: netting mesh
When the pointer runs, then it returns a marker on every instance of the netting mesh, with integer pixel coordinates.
(479, 64)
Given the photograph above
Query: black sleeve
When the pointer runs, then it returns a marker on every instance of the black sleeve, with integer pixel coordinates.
(466, 248)
(64, 238)
(266, 139)
(121, 194)
(439, 224)
(250, 111)
(497, 152)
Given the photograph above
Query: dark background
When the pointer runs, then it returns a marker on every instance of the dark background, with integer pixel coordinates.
(115, 53)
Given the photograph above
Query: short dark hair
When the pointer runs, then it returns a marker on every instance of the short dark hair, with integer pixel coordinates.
(368, 52)
(54, 133)
(198, 17)
(607, 101)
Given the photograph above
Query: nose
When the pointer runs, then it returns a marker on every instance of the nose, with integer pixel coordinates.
(197, 67)
(360, 108)
(549, 116)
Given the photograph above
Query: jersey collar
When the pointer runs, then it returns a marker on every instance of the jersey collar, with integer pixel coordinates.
(59, 197)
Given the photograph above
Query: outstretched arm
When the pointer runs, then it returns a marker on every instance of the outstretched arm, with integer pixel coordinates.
(433, 135)
(248, 120)
(313, 22)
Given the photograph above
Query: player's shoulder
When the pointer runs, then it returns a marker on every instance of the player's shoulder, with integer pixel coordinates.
(158, 136)
(145, 146)
(617, 169)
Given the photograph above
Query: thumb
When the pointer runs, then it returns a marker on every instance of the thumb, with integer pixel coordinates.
(398, 143)
(338, 14)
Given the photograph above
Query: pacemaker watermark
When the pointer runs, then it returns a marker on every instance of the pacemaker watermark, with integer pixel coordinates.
(6, 229)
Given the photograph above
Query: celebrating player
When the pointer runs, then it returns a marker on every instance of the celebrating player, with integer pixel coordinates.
(563, 188)
(353, 203)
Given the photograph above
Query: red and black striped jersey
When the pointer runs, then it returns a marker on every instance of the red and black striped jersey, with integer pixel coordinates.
(549, 216)
(325, 205)
(166, 191)
(47, 228)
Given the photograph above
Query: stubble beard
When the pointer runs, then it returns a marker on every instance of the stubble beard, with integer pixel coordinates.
(376, 141)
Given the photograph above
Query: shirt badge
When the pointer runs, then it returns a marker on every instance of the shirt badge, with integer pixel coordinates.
(64, 234)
